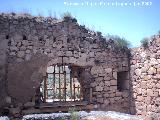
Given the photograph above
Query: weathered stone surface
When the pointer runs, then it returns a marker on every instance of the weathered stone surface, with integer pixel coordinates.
(108, 70)
(8, 100)
(146, 78)
(138, 72)
(3, 62)
(151, 71)
(26, 86)
(29, 104)
(115, 75)
(20, 54)
(37, 42)
(99, 88)
(113, 82)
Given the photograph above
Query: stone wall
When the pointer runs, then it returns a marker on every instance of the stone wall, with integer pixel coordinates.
(3, 68)
(34, 43)
(145, 79)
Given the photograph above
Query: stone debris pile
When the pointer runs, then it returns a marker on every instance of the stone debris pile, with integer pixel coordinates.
(82, 115)
(4, 118)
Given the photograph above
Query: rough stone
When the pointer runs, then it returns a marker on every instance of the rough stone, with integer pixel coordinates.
(108, 70)
(151, 71)
(99, 88)
(138, 72)
(20, 54)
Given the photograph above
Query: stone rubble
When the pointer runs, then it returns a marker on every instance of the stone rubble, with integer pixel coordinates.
(82, 115)
(4, 118)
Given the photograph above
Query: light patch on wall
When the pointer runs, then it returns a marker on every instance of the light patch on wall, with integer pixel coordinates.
(143, 54)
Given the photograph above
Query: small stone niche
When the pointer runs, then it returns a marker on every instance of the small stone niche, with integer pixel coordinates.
(24, 37)
(7, 36)
(123, 80)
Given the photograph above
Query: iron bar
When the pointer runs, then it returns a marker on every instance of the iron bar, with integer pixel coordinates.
(54, 82)
(74, 92)
(59, 84)
(64, 84)
(71, 84)
(45, 88)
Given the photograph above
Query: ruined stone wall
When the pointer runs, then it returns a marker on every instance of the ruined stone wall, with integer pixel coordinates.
(145, 79)
(36, 42)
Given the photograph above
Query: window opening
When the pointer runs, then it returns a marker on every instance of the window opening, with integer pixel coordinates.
(61, 84)
(122, 80)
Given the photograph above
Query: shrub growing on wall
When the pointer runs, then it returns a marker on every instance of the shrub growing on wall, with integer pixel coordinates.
(67, 16)
(120, 42)
(145, 42)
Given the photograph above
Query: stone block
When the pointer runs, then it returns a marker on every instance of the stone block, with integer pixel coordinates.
(106, 88)
(149, 92)
(8, 100)
(143, 84)
(108, 70)
(12, 53)
(140, 98)
(151, 71)
(99, 79)
(106, 101)
(17, 37)
(125, 94)
(155, 94)
(158, 85)
(113, 82)
(107, 83)
(115, 75)
(100, 100)
(125, 63)
(13, 48)
(113, 88)
(20, 54)
(107, 78)
(146, 77)
(93, 84)
(28, 57)
(22, 48)
(111, 100)
(69, 53)
(72, 60)
(91, 54)
(117, 98)
(99, 88)
(30, 47)
(106, 95)
(118, 93)
(138, 72)
(112, 95)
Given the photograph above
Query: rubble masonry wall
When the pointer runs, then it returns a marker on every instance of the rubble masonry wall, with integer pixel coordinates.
(145, 79)
(33, 43)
